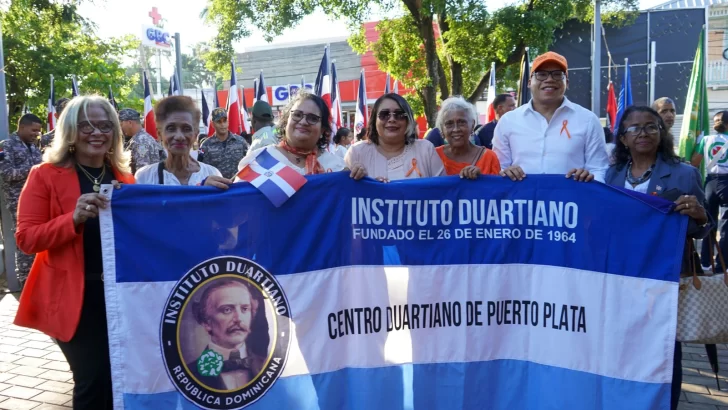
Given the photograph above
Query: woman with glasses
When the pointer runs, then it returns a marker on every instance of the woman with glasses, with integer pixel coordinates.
(393, 151)
(456, 119)
(178, 120)
(645, 162)
(58, 220)
(305, 127)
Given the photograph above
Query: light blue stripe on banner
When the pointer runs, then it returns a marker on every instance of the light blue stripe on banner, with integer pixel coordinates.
(493, 385)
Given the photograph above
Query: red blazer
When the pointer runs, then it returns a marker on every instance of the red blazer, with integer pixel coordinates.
(53, 294)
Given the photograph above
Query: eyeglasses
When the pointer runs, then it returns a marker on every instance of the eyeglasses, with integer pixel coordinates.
(311, 119)
(557, 75)
(452, 124)
(385, 115)
(86, 127)
(636, 130)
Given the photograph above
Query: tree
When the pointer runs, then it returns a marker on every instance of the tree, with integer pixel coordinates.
(436, 45)
(44, 38)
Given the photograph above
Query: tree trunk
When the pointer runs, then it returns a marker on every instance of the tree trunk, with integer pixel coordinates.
(456, 69)
(427, 33)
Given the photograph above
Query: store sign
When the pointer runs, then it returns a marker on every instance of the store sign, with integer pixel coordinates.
(156, 37)
(282, 93)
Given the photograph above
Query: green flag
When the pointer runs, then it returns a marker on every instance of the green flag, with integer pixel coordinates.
(696, 118)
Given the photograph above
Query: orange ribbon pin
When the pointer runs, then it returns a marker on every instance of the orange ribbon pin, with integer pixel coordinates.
(563, 128)
(414, 169)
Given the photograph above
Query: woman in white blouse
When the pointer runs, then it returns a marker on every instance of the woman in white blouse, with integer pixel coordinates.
(393, 151)
(177, 120)
(304, 130)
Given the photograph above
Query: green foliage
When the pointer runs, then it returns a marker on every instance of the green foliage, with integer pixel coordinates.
(44, 38)
(471, 37)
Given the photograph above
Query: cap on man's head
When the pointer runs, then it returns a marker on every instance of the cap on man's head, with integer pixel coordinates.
(549, 57)
(261, 109)
(218, 114)
(128, 114)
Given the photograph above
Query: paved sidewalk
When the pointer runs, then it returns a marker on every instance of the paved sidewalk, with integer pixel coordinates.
(34, 374)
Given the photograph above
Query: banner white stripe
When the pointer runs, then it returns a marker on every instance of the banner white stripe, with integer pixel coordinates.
(622, 315)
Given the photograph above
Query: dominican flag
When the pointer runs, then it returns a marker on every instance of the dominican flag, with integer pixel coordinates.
(173, 86)
(74, 87)
(625, 94)
(233, 104)
(150, 126)
(361, 118)
(206, 111)
(112, 100)
(386, 85)
(244, 112)
(611, 107)
(52, 107)
(490, 113)
(262, 94)
(210, 128)
(255, 91)
(395, 88)
(275, 180)
(335, 99)
(322, 87)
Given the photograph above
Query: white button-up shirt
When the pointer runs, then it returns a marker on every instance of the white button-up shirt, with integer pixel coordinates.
(573, 139)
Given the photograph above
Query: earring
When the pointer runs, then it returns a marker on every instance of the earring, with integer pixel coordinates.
(71, 149)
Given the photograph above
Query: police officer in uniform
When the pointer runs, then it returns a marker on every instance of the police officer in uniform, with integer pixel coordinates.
(20, 154)
(144, 148)
(47, 139)
(224, 150)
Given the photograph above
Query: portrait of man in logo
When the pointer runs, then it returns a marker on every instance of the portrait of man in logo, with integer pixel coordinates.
(225, 335)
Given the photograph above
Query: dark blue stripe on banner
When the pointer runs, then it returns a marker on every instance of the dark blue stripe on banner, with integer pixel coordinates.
(616, 233)
(494, 385)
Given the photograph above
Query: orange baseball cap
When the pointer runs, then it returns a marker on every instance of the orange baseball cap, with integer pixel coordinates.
(549, 57)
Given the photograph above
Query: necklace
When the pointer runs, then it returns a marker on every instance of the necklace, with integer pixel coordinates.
(96, 180)
(642, 178)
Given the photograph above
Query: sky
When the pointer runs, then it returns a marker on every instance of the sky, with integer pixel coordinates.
(186, 20)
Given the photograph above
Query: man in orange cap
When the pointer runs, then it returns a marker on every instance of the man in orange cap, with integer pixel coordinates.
(550, 134)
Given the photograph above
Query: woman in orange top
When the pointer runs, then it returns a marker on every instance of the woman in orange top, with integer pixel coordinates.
(456, 121)
(58, 220)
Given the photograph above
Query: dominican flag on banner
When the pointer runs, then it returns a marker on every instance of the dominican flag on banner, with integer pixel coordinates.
(52, 107)
(262, 94)
(361, 118)
(150, 125)
(322, 87)
(335, 99)
(625, 94)
(233, 105)
(74, 87)
(611, 107)
(275, 180)
(490, 113)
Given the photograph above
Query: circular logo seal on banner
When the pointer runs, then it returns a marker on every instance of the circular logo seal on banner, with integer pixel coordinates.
(225, 333)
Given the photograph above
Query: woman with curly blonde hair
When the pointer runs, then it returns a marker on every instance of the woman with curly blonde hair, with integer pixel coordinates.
(58, 220)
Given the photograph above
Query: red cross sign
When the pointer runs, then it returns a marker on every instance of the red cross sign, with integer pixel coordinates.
(156, 17)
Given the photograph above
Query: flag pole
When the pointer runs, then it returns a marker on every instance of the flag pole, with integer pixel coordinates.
(7, 222)
(653, 68)
(597, 60)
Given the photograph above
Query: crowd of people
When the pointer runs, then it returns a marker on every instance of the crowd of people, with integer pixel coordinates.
(55, 200)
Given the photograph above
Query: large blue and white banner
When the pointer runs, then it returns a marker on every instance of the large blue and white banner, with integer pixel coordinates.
(428, 294)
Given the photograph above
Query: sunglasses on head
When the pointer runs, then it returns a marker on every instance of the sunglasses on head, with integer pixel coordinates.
(399, 115)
